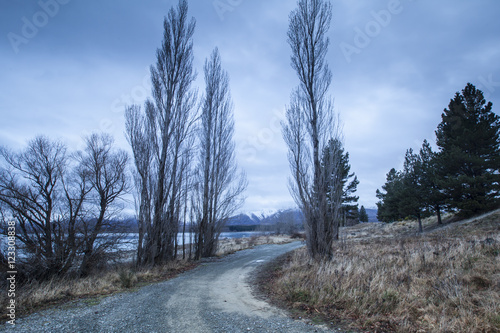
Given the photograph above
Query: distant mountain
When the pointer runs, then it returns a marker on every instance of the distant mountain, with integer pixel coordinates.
(243, 219)
(252, 218)
(265, 220)
(272, 217)
(372, 214)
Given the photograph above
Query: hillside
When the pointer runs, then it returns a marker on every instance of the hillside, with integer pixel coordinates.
(388, 278)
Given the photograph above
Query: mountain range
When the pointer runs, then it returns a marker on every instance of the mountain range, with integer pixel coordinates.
(273, 217)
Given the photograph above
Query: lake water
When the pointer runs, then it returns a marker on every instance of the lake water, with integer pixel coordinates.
(130, 240)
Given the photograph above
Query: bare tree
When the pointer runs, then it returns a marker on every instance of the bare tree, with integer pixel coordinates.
(106, 171)
(30, 190)
(167, 124)
(220, 185)
(136, 129)
(76, 188)
(62, 202)
(310, 123)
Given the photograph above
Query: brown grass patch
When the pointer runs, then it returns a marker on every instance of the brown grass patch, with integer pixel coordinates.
(231, 245)
(444, 281)
(34, 296)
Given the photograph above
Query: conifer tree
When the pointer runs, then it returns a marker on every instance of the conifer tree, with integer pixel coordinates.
(412, 197)
(430, 171)
(388, 206)
(347, 183)
(469, 141)
(363, 216)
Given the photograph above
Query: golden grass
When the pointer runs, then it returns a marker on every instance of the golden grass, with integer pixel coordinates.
(36, 295)
(444, 281)
(231, 245)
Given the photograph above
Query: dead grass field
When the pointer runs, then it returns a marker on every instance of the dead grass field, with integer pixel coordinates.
(231, 245)
(385, 278)
(117, 278)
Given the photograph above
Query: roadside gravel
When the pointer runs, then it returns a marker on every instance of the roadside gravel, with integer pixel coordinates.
(214, 297)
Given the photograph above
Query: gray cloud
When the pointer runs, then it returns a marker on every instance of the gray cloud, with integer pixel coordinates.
(86, 61)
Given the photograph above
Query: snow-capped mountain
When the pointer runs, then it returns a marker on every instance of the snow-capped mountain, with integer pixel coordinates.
(273, 216)
(263, 217)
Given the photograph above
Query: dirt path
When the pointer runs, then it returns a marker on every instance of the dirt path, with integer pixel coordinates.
(215, 297)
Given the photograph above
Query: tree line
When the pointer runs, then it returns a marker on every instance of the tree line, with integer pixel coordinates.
(183, 150)
(184, 175)
(462, 176)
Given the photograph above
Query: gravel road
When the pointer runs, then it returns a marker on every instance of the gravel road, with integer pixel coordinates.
(214, 297)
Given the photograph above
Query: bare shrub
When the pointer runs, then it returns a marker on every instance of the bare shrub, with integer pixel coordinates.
(127, 278)
(252, 241)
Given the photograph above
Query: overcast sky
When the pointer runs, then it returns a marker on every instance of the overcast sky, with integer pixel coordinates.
(69, 67)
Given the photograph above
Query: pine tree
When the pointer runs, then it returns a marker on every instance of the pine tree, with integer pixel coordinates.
(363, 216)
(412, 197)
(430, 172)
(388, 206)
(469, 139)
(348, 182)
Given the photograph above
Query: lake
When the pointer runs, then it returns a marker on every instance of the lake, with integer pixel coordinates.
(129, 242)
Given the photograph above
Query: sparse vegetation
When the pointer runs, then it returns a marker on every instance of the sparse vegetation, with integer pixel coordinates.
(36, 295)
(228, 246)
(447, 280)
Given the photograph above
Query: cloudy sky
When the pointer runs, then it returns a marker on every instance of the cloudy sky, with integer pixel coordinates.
(69, 67)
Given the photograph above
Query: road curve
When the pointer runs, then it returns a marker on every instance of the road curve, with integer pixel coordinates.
(214, 297)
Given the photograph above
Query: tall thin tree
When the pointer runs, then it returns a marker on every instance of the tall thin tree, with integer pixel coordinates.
(220, 185)
(167, 124)
(310, 123)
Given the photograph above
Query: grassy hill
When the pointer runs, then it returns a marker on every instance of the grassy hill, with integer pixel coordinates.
(388, 278)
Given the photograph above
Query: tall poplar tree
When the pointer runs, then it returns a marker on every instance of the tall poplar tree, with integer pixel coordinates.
(219, 182)
(161, 139)
(310, 124)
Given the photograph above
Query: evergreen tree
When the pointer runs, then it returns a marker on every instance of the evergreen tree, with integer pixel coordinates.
(469, 139)
(388, 206)
(363, 216)
(348, 182)
(412, 197)
(430, 172)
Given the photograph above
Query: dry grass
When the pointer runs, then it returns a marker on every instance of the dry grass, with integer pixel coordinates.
(36, 295)
(447, 280)
(231, 245)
